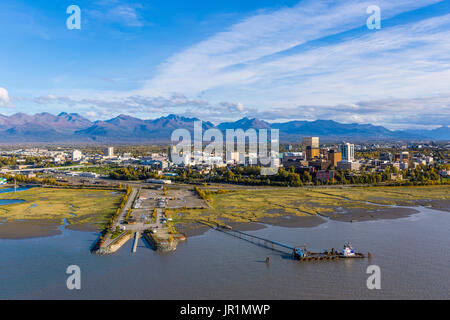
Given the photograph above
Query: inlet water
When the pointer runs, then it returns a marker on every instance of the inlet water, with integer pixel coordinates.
(412, 253)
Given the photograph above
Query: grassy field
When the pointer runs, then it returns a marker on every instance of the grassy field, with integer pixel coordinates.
(254, 205)
(80, 207)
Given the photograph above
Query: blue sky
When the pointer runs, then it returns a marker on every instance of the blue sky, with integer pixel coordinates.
(223, 60)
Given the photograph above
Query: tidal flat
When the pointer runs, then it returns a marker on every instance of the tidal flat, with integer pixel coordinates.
(310, 207)
(42, 211)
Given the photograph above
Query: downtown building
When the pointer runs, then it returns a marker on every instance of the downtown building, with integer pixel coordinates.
(348, 158)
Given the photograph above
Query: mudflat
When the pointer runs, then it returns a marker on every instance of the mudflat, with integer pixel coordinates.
(310, 207)
(42, 210)
(292, 221)
(356, 215)
(29, 229)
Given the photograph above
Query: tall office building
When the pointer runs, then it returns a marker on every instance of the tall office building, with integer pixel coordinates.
(310, 147)
(312, 153)
(312, 142)
(348, 152)
(109, 152)
(334, 157)
(173, 152)
(77, 155)
(404, 157)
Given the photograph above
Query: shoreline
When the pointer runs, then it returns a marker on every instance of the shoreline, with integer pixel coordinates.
(356, 215)
(30, 229)
(39, 213)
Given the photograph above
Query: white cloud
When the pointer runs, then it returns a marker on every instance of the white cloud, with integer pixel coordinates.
(91, 114)
(225, 59)
(391, 113)
(4, 97)
(280, 60)
(313, 61)
(116, 11)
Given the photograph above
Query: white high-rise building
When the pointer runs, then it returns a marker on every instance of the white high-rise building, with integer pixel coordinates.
(232, 157)
(109, 152)
(77, 155)
(348, 152)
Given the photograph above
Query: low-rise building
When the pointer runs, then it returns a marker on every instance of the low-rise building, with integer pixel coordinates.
(325, 175)
(348, 165)
(88, 175)
(396, 176)
(159, 181)
(319, 164)
(29, 174)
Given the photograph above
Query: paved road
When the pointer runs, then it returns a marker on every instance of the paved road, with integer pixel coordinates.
(126, 207)
(123, 213)
(48, 169)
(137, 227)
(140, 226)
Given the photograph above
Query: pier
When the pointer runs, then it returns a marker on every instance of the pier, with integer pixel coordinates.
(142, 214)
(137, 235)
(299, 253)
(267, 243)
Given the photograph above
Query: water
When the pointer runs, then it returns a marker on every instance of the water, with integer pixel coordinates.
(413, 254)
(6, 190)
(4, 202)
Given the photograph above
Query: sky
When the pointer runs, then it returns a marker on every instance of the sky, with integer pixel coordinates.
(224, 60)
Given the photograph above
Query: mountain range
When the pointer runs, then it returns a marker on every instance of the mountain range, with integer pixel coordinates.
(73, 128)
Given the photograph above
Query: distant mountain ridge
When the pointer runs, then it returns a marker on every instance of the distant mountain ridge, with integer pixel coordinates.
(73, 128)
(441, 133)
(126, 128)
(245, 124)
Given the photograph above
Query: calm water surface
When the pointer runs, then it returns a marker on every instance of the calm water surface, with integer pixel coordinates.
(6, 190)
(413, 253)
(4, 202)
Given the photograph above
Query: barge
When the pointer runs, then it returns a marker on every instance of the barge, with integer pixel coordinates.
(303, 254)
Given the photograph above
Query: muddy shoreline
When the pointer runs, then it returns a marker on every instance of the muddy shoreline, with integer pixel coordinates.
(358, 215)
(441, 205)
(290, 221)
(16, 230)
(348, 215)
(29, 229)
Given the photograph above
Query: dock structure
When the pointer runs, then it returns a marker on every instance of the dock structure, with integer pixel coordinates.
(298, 253)
(143, 214)
(267, 243)
(137, 235)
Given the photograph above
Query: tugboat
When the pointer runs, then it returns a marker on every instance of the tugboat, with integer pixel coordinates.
(349, 253)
